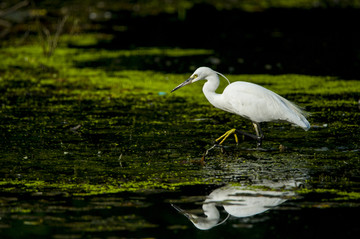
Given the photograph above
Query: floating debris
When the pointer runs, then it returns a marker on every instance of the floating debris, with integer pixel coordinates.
(75, 128)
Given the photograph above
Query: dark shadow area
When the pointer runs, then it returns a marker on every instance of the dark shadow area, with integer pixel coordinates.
(162, 63)
(275, 41)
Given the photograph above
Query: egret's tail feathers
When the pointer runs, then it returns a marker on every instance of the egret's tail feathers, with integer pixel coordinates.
(305, 124)
(300, 114)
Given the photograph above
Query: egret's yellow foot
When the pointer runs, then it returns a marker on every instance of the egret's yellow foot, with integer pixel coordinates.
(226, 135)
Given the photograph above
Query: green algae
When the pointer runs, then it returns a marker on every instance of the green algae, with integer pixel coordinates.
(75, 127)
(333, 195)
(87, 189)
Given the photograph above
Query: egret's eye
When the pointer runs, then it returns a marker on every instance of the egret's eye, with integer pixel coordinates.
(194, 76)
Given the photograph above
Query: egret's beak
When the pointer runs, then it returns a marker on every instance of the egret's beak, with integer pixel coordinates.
(183, 212)
(188, 81)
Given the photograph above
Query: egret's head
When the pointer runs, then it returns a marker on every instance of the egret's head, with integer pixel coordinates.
(202, 223)
(200, 74)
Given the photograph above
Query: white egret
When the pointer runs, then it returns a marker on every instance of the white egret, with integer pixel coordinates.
(248, 100)
(240, 202)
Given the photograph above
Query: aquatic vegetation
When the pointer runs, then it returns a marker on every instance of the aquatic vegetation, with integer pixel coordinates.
(73, 126)
(91, 146)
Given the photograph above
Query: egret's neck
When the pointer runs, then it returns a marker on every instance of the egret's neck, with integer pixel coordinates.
(211, 211)
(211, 219)
(210, 87)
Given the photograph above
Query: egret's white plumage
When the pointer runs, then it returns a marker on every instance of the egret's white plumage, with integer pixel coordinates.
(240, 202)
(248, 100)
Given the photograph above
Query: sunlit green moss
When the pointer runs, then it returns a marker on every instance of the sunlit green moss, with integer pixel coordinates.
(86, 189)
(84, 80)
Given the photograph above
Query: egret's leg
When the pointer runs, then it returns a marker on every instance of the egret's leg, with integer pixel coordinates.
(247, 134)
(259, 133)
(226, 135)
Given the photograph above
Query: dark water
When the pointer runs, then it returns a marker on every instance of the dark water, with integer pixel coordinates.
(144, 215)
(150, 215)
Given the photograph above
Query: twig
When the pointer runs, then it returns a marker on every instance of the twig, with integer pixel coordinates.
(120, 160)
(208, 150)
(59, 29)
(50, 43)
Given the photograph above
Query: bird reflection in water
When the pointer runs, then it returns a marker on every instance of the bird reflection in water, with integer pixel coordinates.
(240, 202)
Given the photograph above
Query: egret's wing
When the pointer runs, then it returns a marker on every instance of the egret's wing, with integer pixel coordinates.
(259, 104)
